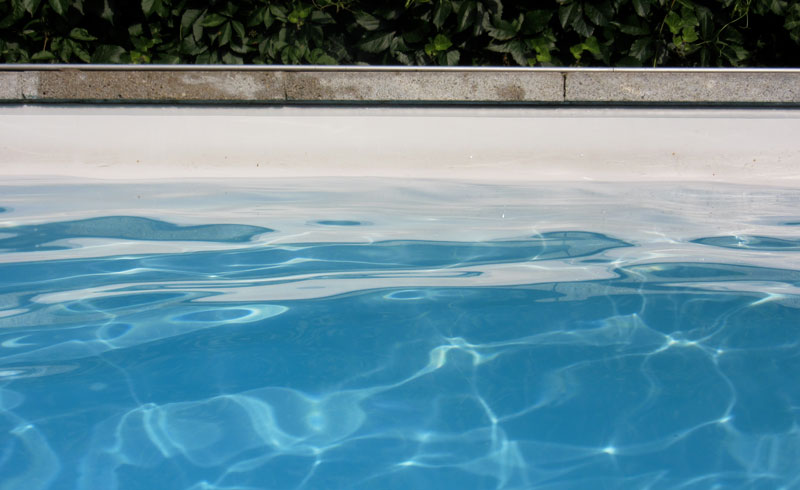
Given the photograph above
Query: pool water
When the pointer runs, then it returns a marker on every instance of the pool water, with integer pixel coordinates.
(375, 334)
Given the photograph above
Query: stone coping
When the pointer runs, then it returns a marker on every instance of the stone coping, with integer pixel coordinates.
(279, 85)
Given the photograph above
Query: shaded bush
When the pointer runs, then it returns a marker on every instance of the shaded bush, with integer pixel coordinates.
(409, 32)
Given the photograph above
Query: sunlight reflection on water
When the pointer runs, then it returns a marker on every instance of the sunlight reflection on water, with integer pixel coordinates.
(377, 334)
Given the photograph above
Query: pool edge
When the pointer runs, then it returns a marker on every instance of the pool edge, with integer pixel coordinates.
(388, 85)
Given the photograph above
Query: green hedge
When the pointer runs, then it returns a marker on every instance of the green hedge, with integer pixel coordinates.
(407, 32)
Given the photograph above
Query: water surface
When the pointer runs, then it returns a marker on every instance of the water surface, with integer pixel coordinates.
(398, 334)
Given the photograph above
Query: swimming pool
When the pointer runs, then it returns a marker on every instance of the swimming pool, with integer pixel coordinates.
(376, 332)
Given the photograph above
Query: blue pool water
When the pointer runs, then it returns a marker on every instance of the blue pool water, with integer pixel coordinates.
(398, 335)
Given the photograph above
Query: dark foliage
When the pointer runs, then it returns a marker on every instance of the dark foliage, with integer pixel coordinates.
(407, 32)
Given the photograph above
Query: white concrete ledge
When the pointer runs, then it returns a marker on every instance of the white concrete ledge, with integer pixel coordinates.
(153, 84)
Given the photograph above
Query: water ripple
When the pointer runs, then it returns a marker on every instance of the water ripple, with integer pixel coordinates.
(586, 355)
(36, 237)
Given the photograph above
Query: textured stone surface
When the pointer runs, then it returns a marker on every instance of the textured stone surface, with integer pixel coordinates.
(9, 86)
(162, 85)
(275, 85)
(19, 85)
(687, 87)
(448, 86)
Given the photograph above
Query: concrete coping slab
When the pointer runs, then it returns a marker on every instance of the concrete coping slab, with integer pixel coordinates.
(279, 85)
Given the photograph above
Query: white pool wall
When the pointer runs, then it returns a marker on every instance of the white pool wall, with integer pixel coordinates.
(532, 144)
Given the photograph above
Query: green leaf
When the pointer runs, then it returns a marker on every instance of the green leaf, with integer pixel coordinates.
(148, 6)
(291, 55)
(581, 27)
(642, 49)
(443, 9)
(107, 14)
(142, 45)
(597, 16)
(642, 7)
(316, 35)
(197, 31)
(320, 17)
(497, 8)
(31, 6)
(81, 34)
(705, 56)
(416, 31)
(518, 50)
(389, 13)
(536, 20)
(229, 10)
(367, 21)
(576, 50)
(61, 48)
(628, 61)
(325, 59)
(592, 45)
(398, 44)
(278, 12)
(542, 45)
(441, 42)
(188, 20)
(137, 57)
(256, 17)
(269, 19)
(451, 57)
(238, 28)
(298, 15)
(230, 59)
(191, 47)
(43, 56)
(736, 54)
(212, 20)
(240, 48)
(777, 7)
(168, 59)
(134, 30)
(633, 26)
(688, 17)
(403, 58)
(377, 43)
(689, 35)
(705, 20)
(674, 22)
(107, 54)
(501, 30)
(567, 13)
(465, 15)
(81, 53)
(59, 6)
(7, 21)
(319, 57)
(225, 34)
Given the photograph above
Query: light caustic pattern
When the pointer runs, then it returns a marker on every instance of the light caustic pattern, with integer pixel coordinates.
(613, 357)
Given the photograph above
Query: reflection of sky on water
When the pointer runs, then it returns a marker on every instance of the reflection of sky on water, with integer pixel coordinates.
(613, 357)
